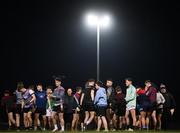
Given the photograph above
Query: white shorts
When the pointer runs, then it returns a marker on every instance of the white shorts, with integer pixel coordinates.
(130, 108)
(48, 112)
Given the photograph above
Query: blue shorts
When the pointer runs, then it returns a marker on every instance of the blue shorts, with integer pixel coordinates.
(145, 107)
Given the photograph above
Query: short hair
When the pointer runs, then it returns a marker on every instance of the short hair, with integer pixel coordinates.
(39, 84)
(162, 85)
(6, 92)
(57, 78)
(129, 79)
(49, 87)
(118, 88)
(99, 83)
(110, 79)
(137, 86)
(148, 81)
(91, 80)
(20, 85)
(78, 88)
(31, 87)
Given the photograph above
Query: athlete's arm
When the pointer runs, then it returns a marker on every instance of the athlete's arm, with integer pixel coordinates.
(82, 98)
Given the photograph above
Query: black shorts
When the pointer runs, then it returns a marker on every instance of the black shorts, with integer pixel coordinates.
(101, 110)
(18, 109)
(10, 110)
(152, 107)
(26, 110)
(159, 111)
(120, 112)
(88, 107)
(137, 112)
(57, 109)
(41, 111)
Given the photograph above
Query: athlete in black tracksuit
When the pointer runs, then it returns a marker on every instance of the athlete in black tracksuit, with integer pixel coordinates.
(168, 108)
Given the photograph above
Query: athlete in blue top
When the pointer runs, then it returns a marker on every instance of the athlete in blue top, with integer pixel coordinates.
(41, 100)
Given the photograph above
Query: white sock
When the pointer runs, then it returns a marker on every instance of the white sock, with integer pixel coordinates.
(62, 128)
(55, 126)
(87, 123)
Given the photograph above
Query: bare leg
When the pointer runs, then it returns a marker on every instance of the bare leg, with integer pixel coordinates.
(104, 122)
(17, 120)
(133, 114)
(61, 115)
(11, 119)
(86, 116)
(44, 121)
(54, 121)
(82, 126)
(73, 122)
(127, 118)
(25, 120)
(9, 123)
(36, 117)
(29, 119)
(147, 119)
(115, 121)
(95, 118)
(90, 118)
(120, 122)
(143, 115)
(154, 119)
(159, 121)
(99, 123)
(49, 122)
(76, 124)
(140, 122)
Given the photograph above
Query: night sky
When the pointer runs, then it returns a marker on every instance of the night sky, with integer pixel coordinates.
(40, 39)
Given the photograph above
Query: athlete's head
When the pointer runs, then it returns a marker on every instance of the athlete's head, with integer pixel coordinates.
(49, 90)
(57, 82)
(39, 87)
(6, 93)
(118, 89)
(109, 82)
(128, 81)
(20, 85)
(148, 83)
(91, 82)
(163, 88)
(98, 84)
(79, 89)
(31, 87)
(69, 91)
(23, 90)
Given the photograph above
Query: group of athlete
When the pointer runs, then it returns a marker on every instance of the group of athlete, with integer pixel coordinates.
(96, 106)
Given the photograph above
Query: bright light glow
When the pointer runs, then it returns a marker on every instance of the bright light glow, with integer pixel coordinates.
(92, 19)
(105, 21)
(96, 20)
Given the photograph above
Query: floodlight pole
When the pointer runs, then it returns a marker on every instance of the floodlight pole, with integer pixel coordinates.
(98, 46)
